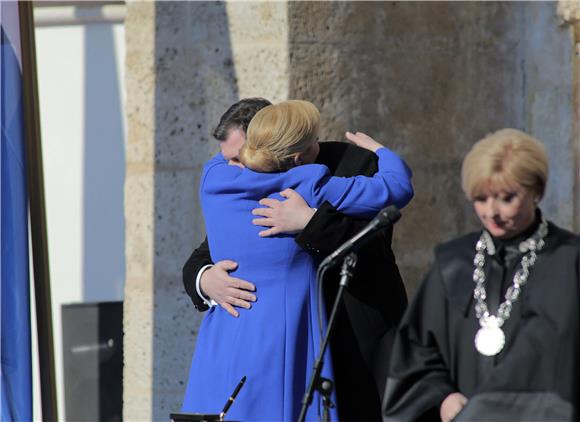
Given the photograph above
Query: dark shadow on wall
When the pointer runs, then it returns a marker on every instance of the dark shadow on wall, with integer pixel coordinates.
(428, 79)
(104, 170)
(196, 82)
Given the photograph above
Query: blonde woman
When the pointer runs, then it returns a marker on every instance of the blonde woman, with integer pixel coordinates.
(493, 333)
(275, 344)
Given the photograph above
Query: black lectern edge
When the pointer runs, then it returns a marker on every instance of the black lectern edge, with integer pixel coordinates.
(197, 417)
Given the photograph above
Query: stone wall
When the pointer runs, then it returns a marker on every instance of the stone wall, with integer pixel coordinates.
(429, 79)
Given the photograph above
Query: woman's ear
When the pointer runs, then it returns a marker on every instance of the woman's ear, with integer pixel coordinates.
(297, 159)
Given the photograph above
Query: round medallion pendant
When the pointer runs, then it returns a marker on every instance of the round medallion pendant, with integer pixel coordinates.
(490, 339)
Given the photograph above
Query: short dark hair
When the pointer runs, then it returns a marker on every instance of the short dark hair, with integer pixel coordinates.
(238, 116)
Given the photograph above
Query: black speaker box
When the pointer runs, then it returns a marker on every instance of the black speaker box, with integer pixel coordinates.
(92, 341)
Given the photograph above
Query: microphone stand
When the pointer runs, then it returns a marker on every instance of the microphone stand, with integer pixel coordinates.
(324, 385)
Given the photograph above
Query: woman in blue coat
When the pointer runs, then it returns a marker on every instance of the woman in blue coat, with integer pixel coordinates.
(275, 345)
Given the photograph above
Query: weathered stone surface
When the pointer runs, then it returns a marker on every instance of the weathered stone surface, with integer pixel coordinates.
(139, 204)
(549, 107)
(569, 11)
(259, 39)
(429, 79)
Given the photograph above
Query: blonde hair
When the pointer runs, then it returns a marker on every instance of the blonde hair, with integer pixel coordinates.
(503, 159)
(277, 133)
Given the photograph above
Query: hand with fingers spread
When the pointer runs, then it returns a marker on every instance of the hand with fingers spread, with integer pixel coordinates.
(451, 406)
(289, 216)
(229, 292)
(363, 140)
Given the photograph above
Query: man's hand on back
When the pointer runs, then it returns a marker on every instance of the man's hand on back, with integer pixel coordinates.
(217, 284)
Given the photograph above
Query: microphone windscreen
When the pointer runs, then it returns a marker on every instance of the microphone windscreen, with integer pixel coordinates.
(388, 215)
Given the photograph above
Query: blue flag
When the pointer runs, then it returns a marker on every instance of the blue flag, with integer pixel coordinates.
(15, 351)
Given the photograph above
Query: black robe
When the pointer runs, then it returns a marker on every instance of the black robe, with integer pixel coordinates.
(536, 377)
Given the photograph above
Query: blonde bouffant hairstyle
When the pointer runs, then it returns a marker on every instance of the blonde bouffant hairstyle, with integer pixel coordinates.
(503, 159)
(278, 133)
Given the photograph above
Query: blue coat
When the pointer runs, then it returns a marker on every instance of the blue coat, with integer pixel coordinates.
(274, 344)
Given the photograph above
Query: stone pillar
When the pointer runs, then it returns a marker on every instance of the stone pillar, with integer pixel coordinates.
(569, 13)
(186, 63)
(138, 319)
(173, 80)
(548, 93)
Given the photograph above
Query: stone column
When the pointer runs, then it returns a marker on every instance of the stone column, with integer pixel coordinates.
(138, 319)
(548, 92)
(186, 63)
(569, 13)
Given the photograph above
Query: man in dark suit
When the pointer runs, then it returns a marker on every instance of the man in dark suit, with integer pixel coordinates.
(372, 306)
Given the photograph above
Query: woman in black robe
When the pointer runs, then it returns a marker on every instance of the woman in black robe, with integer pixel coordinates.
(493, 333)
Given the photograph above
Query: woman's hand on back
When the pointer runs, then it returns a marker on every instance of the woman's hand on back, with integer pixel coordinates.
(363, 140)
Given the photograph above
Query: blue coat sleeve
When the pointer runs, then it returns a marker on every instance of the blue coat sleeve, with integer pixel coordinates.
(365, 196)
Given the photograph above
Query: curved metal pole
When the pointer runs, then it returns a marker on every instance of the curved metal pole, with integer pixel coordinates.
(37, 214)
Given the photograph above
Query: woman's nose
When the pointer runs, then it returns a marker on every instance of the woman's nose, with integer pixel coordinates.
(491, 207)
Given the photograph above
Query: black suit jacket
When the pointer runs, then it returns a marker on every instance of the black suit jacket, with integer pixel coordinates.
(372, 306)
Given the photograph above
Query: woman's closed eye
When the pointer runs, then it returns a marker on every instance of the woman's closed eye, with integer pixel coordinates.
(508, 197)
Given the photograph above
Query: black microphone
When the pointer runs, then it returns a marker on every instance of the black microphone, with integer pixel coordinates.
(386, 217)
